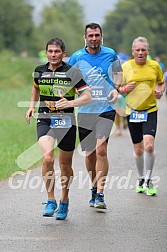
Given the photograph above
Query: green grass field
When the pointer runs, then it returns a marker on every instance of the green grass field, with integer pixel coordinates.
(16, 136)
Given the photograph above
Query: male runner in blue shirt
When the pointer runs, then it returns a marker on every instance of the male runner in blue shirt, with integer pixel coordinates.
(95, 120)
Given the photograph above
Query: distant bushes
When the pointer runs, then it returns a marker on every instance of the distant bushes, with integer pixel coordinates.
(15, 70)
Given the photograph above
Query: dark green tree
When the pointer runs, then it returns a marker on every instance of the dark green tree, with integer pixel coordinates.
(64, 19)
(131, 19)
(16, 25)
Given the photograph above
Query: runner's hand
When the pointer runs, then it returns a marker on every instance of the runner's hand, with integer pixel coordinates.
(63, 103)
(158, 94)
(30, 113)
(113, 95)
(130, 86)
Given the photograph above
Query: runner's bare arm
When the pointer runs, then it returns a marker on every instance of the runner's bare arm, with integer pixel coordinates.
(33, 100)
(83, 99)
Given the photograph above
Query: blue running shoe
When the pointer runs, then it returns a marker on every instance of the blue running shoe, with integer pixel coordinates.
(99, 201)
(92, 200)
(62, 211)
(50, 208)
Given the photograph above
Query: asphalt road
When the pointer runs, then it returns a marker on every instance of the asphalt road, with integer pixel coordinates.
(132, 222)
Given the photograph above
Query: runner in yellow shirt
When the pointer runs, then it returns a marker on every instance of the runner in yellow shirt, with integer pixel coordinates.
(143, 83)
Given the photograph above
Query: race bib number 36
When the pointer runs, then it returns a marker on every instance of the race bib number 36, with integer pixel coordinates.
(60, 122)
(138, 116)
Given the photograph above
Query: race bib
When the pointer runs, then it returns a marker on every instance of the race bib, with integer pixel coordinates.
(138, 116)
(60, 121)
(98, 93)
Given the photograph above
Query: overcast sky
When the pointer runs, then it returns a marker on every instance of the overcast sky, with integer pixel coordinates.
(94, 10)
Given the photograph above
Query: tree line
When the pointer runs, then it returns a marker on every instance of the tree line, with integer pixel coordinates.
(65, 19)
(131, 19)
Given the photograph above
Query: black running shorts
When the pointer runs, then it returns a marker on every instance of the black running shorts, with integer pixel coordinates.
(66, 137)
(94, 126)
(137, 130)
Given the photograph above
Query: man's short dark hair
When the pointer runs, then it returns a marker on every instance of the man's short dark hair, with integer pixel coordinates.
(56, 41)
(93, 26)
